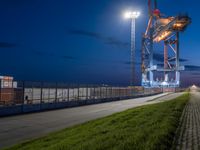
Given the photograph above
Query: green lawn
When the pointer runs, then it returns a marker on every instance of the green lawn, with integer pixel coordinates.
(148, 127)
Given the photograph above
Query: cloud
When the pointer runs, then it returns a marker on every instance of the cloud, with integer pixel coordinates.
(107, 40)
(192, 68)
(15, 2)
(7, 45)
(180, 59)
(85, 33)
(128, 63)
(47, 54)
(195, 73)
(116, 42)
(68, 57)
(38, 53)
(160, 58)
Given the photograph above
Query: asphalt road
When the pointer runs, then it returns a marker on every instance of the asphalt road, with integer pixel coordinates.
(25, 127)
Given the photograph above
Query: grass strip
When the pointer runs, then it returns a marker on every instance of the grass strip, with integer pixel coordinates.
(149, 127)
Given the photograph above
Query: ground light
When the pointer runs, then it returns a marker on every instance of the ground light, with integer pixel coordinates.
(193, 86)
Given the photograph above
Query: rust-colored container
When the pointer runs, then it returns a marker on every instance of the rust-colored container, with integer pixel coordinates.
(7, 96)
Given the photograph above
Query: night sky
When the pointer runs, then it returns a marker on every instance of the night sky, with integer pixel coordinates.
(85, 41)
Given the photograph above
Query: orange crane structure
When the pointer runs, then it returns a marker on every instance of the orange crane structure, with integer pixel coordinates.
(163, 30)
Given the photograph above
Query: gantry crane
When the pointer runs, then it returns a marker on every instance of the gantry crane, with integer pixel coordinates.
(164, 30)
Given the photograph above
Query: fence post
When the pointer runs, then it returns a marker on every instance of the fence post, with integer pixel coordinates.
(56, 93)
(68, 93)
(106, 94)
(117, 92)
(86, 92)
(0, 93)
(111, 95)
(48, 93)
(32, 93)
(100, 90)
(78, 92)
(41, 95)
(62, 94)
(73, 87)
(23, 93)
(94, 93)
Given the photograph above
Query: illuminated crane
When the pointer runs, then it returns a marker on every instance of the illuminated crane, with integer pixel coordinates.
(166, 30)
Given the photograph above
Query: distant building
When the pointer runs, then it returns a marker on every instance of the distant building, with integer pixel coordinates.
(7, 90)
(7, 82)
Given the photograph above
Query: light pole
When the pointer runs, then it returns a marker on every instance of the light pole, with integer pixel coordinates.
(132, 15)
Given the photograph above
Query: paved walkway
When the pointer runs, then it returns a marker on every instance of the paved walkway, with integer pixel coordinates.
(24, 127)
(189, 137)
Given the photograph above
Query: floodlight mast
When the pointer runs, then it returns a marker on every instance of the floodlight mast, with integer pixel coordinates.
(132, 15)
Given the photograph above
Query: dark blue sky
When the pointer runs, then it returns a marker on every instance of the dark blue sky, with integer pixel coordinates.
(86, 41)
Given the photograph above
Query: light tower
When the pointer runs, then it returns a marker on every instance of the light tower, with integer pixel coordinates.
(133, 15)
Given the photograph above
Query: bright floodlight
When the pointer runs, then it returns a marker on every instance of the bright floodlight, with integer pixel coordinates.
(193, 86)
(132, 15)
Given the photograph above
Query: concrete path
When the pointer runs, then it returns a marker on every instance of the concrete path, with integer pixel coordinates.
(24, 127)
(189, 136)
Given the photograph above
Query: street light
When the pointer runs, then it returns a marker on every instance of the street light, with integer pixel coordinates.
(133, 15)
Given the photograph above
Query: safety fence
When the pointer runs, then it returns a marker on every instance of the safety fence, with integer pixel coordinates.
(39, 96)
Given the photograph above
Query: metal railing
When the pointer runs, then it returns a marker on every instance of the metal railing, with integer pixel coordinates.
(37, 96)
(39, 92)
